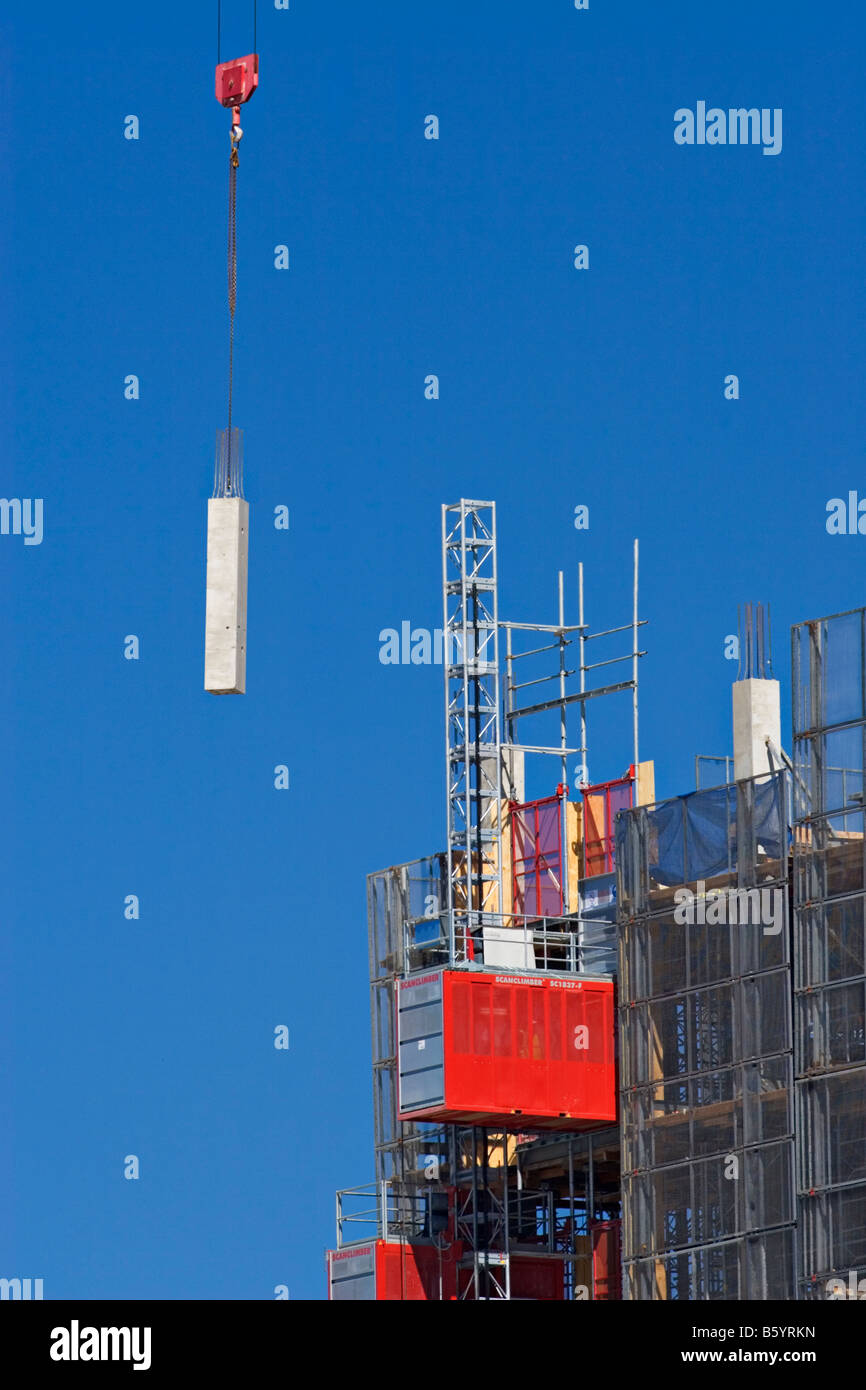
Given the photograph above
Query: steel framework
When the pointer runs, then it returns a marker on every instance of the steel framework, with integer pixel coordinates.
(472, 732)
(706, 1045)
(507, 1203)
(450, 908)
(829, 709)
(742, 1037)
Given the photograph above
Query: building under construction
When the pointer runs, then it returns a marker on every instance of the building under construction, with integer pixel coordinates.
(618, 1044)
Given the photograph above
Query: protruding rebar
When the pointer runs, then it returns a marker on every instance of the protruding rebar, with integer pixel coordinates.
(756, 652)
(229, 466)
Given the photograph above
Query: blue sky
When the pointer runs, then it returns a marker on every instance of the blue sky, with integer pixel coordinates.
(557, 387)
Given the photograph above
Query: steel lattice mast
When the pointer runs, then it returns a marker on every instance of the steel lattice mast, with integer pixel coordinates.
(472, 729)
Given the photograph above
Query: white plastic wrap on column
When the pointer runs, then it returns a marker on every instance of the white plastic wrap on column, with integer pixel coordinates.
(225, 658)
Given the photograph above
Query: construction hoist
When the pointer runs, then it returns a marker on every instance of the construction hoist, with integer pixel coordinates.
(228, 513)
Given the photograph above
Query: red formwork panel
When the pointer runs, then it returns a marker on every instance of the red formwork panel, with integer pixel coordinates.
(600, 806)
(536, 856)
(518, 1051)
(606, 1271)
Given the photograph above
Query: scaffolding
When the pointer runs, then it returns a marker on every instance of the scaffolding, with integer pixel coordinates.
(830, 946)
(487, 832)
(517, 1216)
(713, 770)
(542, 834)
(407, 900)
(706, 1045)
(532, 1216)
(734, 919)
(563, 636)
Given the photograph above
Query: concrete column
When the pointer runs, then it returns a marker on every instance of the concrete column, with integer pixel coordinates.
(513, 784)
(756, 714)
(225, 660)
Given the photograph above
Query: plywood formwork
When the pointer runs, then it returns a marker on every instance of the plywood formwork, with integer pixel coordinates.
(574, 850)
(645, 784)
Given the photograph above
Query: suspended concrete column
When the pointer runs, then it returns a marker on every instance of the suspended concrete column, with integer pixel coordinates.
(227, 543)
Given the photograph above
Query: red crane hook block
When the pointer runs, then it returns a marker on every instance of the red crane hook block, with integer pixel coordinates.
(236, 81)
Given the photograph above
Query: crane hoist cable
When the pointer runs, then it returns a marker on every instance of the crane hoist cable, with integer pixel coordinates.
(225, 646)
(220, 26)
(236, 81)
(236, 134)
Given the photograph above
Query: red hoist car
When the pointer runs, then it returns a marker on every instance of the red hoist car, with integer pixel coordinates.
(524, 1052)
